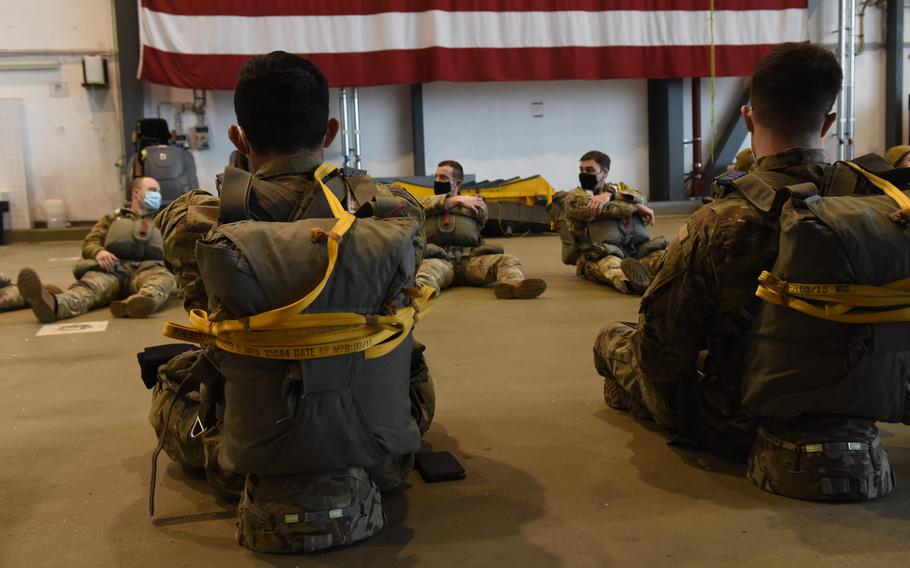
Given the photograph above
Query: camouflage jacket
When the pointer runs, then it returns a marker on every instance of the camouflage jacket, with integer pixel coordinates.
(619, 209)
(289, 191)
(436, 205)
(94, 241)
(709, 275)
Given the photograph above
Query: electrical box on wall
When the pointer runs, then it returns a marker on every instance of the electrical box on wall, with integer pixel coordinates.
(199, 137)
(94, 71)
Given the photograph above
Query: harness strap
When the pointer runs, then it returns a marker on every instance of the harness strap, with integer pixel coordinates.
(286, 333)
(845, 303)
(185, 386)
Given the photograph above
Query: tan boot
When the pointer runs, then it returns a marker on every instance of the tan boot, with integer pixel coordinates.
(580, 267)
(524, 290)
(42, 302)
(637, 274)
(135, 306)
(617, 398)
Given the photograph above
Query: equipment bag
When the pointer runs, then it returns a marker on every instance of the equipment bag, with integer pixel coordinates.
(833, 335)
(312, 320)
(131, 238)
(557, 212)
(455, 227)
(172, 167)
(305, 513)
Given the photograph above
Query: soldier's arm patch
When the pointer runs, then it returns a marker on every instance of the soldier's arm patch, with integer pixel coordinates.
(683, 233)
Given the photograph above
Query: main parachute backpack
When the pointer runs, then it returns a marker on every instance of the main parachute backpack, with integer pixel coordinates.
(311, 321)
(832, 338)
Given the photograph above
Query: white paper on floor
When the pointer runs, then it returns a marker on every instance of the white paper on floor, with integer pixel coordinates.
(73, 327)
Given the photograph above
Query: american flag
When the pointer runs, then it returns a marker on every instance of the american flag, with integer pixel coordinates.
(202, 43)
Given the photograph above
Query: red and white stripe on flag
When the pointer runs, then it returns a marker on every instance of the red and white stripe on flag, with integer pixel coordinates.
(202, 43)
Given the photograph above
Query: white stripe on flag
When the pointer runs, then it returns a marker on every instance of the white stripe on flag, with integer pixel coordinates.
(417, 30)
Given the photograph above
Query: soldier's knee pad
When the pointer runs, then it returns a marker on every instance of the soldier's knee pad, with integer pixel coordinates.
(842, 462)
(308, 512)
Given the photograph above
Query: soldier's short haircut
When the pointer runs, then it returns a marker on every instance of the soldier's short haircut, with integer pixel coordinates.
(136, 182)
(602, 159)
(457, 170)
(282, 103)
(794, 87)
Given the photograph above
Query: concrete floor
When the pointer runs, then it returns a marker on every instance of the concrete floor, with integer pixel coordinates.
(554, 478)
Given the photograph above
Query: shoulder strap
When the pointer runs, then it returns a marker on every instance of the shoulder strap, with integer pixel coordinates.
(319, 207)
(760, 189)
(363, 187)
(235, 195)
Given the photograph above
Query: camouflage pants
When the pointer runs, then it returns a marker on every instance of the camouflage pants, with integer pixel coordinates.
(191, 288)
(607, 270)
(10, 298)
(97, 288)
(307, 512)
(615, 360)
(472, 271)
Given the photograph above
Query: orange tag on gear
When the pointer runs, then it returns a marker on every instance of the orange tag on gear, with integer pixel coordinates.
(683, 233)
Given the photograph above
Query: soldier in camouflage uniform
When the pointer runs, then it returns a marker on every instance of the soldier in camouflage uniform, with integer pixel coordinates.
(11, 299)
(619, 251)
(299, 512)
(482, 265)
(134, 287)
(702, 300)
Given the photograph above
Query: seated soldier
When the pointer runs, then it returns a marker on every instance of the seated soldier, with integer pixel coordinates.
(354, 423)
(612, 244)
(456, 253)
(122, 266)
(11, 299)
(682, 364)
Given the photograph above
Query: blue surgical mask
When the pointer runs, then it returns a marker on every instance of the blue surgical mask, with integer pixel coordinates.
(152, 200)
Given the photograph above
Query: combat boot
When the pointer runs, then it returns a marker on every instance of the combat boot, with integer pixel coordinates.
(580, 267)
(10, 298)
(40, 300)
(136, 306)
(618, 398)
(524, 290)
(637, 275)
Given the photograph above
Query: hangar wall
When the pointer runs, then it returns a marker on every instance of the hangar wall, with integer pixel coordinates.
(73, 133)
(74, 141)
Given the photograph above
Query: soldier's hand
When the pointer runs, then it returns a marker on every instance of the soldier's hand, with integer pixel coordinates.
(597, 203)
(107, 260)
(472, 202)
(645, 212)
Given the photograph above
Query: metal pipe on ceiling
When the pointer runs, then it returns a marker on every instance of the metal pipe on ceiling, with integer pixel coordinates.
(345, 129)
(842, 58)
(358, 162)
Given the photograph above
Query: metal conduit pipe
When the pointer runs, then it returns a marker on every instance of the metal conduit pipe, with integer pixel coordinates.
(345, 131)
(851, 105)
(698, 169)
(842, 59)
(358, 162)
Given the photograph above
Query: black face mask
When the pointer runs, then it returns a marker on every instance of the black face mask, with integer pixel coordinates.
(587, 181)
(442, 187)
